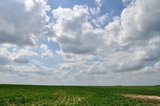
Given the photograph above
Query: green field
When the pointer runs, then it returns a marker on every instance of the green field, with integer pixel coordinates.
(21, 95)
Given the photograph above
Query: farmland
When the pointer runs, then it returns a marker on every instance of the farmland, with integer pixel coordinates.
(26, 95)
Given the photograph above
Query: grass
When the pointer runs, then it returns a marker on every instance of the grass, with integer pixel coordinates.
(23, 95)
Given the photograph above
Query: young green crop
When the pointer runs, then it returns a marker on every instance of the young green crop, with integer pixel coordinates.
(74, 95)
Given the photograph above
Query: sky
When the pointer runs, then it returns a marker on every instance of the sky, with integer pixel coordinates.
(80, 42)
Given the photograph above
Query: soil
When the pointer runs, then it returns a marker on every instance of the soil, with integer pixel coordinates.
(144, 97)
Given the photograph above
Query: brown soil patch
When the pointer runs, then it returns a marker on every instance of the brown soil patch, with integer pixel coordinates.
(144, 97)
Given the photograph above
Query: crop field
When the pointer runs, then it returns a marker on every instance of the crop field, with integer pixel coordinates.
(23, 95)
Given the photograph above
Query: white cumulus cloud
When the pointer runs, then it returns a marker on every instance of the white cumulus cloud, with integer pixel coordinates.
(22, 21)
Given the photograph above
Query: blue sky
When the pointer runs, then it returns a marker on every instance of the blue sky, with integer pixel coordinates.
(80, 42)
(107, 5)
(112, 7)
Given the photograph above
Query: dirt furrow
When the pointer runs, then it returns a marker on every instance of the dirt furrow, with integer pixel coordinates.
(68, 99)
(63, 98)
(144, 97)
(60, 96)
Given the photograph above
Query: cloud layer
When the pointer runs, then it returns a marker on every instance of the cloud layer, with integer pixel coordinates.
(126, 44)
